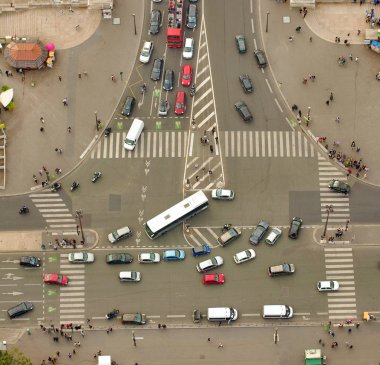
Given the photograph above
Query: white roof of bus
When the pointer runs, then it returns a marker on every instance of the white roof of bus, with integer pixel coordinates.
(180, 208)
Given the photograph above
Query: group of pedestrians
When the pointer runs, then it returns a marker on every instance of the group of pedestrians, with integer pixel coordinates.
(334, 344)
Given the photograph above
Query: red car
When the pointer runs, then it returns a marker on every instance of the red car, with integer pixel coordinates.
(57, 279)
(208, 279)
(180, 103)
(187, 75)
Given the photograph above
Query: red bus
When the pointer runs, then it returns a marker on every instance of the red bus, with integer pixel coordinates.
(175, 23)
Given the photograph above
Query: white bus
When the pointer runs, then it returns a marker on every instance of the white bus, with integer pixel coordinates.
(175, 215)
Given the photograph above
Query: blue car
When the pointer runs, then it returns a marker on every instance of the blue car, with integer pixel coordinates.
(173, 255)
(201, 250)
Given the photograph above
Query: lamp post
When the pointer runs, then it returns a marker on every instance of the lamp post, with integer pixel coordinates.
(134, 22)
(266, 26)
(329, 209)
(96, 120)
(79, 216)
(275, 336)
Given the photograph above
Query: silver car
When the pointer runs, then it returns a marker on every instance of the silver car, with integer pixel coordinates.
(81, 257)
(149, 258)
(273, 236)
(119, 234)
(210, 264)
(244, 256)
(130, 276)
(328, 285)
(222, 194)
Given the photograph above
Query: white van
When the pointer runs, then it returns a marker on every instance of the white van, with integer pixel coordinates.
(133, 134)
(277, 311)
(222, 314)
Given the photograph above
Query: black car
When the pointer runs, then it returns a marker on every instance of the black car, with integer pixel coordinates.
(155, 21)
(260, 58)
(20, 309)
(191, 21)
(259, 233)
(295, 227)
(30, 261)
(243, 110)
(240, 43)
(128, 106)
(157, 69)
(339, 186)
(168, 80)
(119, 258)
(246, 83)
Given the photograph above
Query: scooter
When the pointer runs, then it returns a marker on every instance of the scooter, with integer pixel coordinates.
(112, 314)
(143, 88)
(24, 210)
(55, 187)
(74, 185)
(226, 227)
(107, 131)
(97, 175)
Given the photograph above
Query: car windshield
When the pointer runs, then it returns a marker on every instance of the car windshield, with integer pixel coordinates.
(60, 278)
(145, 52)
(179, 105)
(115, 235)
(186, 76)
(133, 275)
(187, 49)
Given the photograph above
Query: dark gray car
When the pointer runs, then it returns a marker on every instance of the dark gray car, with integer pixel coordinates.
(246, 83)
(259, 232)
(168, 80)
(243, 110)
(157, 69)
(260, 58)
(191, 16)
(128, 106)
(155, 21)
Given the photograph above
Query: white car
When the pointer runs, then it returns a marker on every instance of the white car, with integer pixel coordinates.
(149, 258)
(81, 257)
(273, 236)
(328, 285)
(133, 276)
(222, 194)
(146, 52)
(188, 49)
(244, 256)
(119, 234)
(210, 264)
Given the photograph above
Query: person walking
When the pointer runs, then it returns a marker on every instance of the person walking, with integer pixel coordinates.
(69, 129)
(60, 78)
(331, 96)
(42, 120)
(64, 101)
(357, 59)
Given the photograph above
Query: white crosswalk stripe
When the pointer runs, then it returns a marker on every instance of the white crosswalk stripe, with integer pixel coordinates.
(340, 213)
(57, 222)
(72, 296)
(164, 144)
(341, 304)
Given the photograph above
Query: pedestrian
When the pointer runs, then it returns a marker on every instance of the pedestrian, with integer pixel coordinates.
(349, 330)
(311, 39)
(213, 130)
(36, 181)
(113, 78)
(358, 33)
(108, 331)
(69, 129)
(350, 57)
(220, 345)
(159, 325)
(42, 129)
(331, 96)
(211, 148)
(7, 73)
(197, 178)
(209, 339)
(58, 353)
(357, 325)
(327, 102)
(304, 80)
(210, 172)
(337, 119)
(79, 75)
(82, 332)
(353, 144)
(216, 140)
(60, 78)
(164, 326)
(356, 59)
(357, 149)
(347, 223)
(64, 101)
(351, 346)
(42, 120)
(74, 352)
(290, 39)
(69, 355)
(320, 340)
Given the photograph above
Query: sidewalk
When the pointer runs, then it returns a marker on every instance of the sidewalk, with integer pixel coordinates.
(227, 345)
(353, 85)
(94, 52)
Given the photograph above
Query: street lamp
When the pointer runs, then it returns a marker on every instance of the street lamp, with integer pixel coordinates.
(266, 27)
(134, 22)
(96, 120)
(79, 216)
(275, 336)
(329, 209)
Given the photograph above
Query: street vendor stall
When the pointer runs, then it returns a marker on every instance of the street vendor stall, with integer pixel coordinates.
(314, 357)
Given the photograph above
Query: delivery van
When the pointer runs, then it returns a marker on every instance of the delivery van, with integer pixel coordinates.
(133, 134)
(222, 314)
(277, 311)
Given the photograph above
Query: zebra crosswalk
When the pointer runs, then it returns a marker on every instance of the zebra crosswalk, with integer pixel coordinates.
(72, 296)
(340, 202)
(165, 144)
(59, 219)
(339, 266)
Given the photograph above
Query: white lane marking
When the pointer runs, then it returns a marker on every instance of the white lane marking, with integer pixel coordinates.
(88, 147)
(269, 87)
(255, 43)
(176, 316)
(342, 300)
(71, 300)
(252, 26)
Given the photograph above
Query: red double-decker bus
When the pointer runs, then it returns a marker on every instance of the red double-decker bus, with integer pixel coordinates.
(175, 23)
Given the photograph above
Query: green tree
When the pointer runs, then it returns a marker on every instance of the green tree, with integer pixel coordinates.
(14, 357)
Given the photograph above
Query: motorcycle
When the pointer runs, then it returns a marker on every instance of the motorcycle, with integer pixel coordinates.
(114, 313)
(107, 131)
(226, 227)
(74, 185)
(96, 176)
(143, 88)
(55, 187)
(24, 210)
